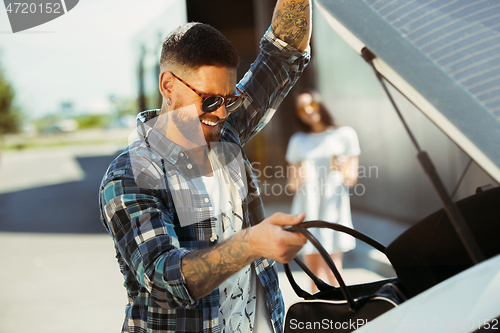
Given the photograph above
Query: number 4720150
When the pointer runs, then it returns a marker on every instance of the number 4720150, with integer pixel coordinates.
(463, 324)
(32, 8)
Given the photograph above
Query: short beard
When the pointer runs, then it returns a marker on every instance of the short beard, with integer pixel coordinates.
(187, 123)
(190, 125)
(213, 136)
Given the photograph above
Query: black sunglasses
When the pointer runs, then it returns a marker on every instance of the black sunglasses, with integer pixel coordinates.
(211, 102)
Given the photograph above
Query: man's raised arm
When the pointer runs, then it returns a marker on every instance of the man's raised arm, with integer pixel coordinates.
(292, 22)
(204, 270)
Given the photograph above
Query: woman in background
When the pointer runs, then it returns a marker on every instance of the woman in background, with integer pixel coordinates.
(323, 164)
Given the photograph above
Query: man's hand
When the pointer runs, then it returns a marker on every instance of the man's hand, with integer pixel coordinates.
(205, 269)
(292, 22)
(269, 239)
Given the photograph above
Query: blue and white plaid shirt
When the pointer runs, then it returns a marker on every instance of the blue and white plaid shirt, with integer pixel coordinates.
(144, 223)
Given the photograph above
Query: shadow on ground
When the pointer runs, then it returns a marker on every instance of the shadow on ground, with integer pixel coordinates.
(63, 208)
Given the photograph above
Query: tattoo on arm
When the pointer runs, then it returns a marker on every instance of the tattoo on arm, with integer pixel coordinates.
(291, 21)
(205, 269)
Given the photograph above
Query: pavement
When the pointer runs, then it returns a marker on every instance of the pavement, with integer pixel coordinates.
(59, 271)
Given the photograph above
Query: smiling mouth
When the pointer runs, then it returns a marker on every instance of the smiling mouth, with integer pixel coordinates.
(209, 123)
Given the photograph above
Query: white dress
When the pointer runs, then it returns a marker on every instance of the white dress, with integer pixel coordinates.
(323, 194)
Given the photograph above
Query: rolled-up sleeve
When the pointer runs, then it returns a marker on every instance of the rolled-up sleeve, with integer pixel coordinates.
(143, 232)
(270, 78)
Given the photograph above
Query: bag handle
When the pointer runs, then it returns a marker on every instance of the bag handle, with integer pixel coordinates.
(302, 228)
(329, 262)
(338, 227)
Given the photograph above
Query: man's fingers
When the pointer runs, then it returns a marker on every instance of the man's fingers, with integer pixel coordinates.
(286, 219)
(294, 238)
(269, 238)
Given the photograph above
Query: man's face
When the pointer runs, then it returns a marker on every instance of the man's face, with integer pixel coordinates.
(208, 80)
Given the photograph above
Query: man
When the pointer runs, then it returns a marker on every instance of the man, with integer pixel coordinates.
(191, 239)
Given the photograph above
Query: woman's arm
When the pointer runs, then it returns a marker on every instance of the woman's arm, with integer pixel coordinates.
(348, 165)
(295, 176)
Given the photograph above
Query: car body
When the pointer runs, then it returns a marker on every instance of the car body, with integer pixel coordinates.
(443, 57)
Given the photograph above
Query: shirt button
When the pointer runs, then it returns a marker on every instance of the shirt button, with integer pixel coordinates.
(181, 154)
(206, 200)
(189, 166)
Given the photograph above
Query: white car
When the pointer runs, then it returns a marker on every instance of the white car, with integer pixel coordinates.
(444, 56)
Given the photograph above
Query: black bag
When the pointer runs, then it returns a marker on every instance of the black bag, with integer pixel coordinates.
(343, 308)
(431, 251)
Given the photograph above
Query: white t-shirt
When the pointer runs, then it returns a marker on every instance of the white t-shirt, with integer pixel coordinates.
(239, 294)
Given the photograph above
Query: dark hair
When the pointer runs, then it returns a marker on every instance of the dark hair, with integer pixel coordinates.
(193, 45)
(326, 116)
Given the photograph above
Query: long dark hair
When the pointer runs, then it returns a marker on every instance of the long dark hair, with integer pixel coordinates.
(326, 117)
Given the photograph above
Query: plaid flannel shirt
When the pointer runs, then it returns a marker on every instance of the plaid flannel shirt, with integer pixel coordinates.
(144, 223)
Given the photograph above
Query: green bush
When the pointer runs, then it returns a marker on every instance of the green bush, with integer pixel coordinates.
(93, 121)
(9, 115)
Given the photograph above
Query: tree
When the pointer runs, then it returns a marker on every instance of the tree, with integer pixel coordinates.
(9, 117)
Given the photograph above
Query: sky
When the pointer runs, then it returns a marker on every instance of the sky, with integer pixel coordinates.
(83, 56)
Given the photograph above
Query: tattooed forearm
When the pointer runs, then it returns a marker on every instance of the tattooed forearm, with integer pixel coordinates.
(291, 22)
(204, 270)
